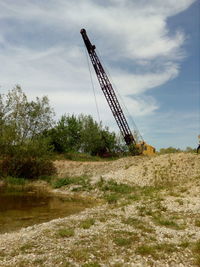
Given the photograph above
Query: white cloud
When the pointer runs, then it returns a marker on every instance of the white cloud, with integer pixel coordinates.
(126, 30)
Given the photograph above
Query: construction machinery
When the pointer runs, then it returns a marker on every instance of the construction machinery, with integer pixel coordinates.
(112, 100)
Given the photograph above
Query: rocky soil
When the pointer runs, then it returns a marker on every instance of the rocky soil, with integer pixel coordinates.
(148, 215)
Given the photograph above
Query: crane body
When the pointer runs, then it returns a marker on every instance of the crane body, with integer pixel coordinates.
(111, 97)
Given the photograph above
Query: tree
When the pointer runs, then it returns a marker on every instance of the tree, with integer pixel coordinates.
(22, 121)
(23, 148)
(66, 135)
(81, 134)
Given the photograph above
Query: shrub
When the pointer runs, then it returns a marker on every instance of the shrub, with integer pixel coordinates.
(30, 168)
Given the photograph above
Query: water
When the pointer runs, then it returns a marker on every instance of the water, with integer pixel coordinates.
(24, 209)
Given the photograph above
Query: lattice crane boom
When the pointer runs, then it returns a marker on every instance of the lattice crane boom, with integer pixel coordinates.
(108, 91)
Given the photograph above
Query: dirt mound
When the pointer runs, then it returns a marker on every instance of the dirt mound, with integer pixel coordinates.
(160, 169)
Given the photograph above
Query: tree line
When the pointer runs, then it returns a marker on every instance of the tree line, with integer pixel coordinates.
(29, 135)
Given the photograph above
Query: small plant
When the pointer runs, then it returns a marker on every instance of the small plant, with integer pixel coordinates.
(112, 198)
(63, 232)
(83, 181)
(91, 264)
(15, 181)
(86, 224)
(197, 222)
(79, 254)
(157, 250)
(167, 223)
(145, 250)
(196, 252)
(184, 244)
(120, 241)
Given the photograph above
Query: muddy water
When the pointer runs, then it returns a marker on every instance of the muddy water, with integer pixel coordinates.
(19, 210)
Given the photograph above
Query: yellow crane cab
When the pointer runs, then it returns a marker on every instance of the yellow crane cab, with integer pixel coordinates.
(146, 149)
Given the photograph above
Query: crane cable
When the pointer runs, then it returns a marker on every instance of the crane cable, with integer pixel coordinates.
(92, 83)
(122, 101)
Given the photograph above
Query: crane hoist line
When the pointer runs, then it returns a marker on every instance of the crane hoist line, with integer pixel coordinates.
(111, 98)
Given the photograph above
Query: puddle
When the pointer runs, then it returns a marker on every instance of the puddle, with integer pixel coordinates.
(24, 209)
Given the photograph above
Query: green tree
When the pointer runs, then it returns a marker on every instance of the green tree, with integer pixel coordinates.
(22, 121)
(66, 135)
(23, 148)
(95, 139)
(81, 134)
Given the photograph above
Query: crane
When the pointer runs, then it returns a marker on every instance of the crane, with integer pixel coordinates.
(111, 97)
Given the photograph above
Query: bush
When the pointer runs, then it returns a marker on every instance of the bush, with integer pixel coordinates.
(30, 168)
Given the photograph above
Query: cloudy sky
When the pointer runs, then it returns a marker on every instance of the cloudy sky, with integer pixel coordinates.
(150, 49)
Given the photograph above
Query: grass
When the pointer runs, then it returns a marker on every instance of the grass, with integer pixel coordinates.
(113, 186)
(197, 222)
(15, 181)
(26, 247)
(63, 232)
(76, 156)
(79, 254)
(91, 264)
(83, 181)
(156, 251)
(125, 238)
(138, 224)
(168, 223)
(86, 224)
(120, 241)
(112, 198)
(196, 252)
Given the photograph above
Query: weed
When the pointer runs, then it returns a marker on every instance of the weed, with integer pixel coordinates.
(184, 244)
(63, 232)
(91, 264)
(112, 198)
(79, 180)
(138, 224)
(179, 201)
(167, 223)
(197, 222)
(113, 186)
(156, 251)
(120, 241)
(79, 254)
(86, 224)
(145, 250)
(15, 181)
(26, 247)
(196, 252)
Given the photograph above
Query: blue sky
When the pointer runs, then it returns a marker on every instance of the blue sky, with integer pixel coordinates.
(151, 49)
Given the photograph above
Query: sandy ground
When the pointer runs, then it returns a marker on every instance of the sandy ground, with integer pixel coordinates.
(153, 221)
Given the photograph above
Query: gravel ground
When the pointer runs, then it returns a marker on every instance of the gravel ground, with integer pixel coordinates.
(153, 219)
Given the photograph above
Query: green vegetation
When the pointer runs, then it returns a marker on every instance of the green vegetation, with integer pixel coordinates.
(83, 181)
(196, 252)
(63, 232)
(91, 264)
(29, 137)
(157, 250)
(197, 222)
(86, 224)
(23, 149)
(81, 133)
(170, 150)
